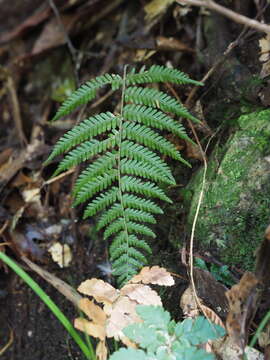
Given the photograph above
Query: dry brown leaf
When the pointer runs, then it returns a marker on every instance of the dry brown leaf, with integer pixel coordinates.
(243, 301)
(90, 328)
(211, 315)
(61, 254)
(156, 8)
(153, 275)
(142, 294)
(100, 290)
(93, 311)
(264, 44)
(101, 351)
(123, 314)
(188, 303)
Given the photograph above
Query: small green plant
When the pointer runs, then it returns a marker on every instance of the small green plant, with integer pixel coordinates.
(220, 273)
(126, 171)
(161, 338)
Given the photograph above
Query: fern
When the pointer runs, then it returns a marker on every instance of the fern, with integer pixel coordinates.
(125, 150)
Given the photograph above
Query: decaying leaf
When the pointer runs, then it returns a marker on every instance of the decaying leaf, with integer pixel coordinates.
(211, 315)
(61, 254)
(101, 350)
(119, 306)
(90, 328)
(123, 314)
(243, 302)
(93, 311)
(100, 290)
(153, 275)
(156, 8)
(188, 303)
(142, 294)
(264, 44)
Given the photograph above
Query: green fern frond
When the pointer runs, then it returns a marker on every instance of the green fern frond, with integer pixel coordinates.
(158, 73)
(140, 168)
(133, 241)
(131, 214)
(84, 152)
(126, 167)
(93, 187)
(139, 215)
(86, 93)
(101, 166)
(133, 201)
(129, 226)
(138, 152)
(86, 130)
(150, 138)
(131, 184)
(157, 99)
(154, 118)
(131, 251)
(101, 202)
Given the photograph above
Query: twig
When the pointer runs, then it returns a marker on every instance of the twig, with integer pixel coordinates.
(240, 19)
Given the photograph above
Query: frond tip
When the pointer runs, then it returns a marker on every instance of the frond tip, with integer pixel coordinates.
(127, 154)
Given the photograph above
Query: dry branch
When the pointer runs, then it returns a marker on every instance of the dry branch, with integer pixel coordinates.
(241, 19)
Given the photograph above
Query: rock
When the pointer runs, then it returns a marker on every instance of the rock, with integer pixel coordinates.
(236, 204)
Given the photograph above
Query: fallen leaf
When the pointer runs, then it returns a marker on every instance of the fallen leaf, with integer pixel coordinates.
(100, 290)
(123, 314)
(243, 301)
(93, 311)
(156, 8)
(92, 329)
(153, 275)
(188, 303)
(142, 294)
(101, 351)
(61, 254)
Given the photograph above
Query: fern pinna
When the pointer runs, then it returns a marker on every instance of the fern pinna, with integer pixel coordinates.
(126, 168)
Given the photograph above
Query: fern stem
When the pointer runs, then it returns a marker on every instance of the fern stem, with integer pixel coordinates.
(119, 156)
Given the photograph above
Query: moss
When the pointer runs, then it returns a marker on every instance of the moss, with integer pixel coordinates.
(236, 192)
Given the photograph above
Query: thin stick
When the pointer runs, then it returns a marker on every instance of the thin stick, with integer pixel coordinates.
(238, 18)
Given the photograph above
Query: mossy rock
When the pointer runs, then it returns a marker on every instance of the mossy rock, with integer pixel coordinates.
(236, 203)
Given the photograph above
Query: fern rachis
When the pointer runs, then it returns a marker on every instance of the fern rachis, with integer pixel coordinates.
(127, 168)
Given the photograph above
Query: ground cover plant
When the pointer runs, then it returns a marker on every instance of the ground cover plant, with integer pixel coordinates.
(127, 170)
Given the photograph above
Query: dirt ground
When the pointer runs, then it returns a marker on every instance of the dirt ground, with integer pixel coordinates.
(48, 48)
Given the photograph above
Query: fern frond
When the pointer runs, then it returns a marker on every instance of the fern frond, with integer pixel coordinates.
(86, 130)
(139, 168)
(138, 152)
(151, 139)
(133, 201)
(133, 241)
(131, 251)
(101, 202)
(154, 118)
(147, 188)
(130, 226)
(158, 73)
(131, 214)
(157, 99)
(101, 166)
(95, 186)
(84, 152)
(85, 93)
(126, 166)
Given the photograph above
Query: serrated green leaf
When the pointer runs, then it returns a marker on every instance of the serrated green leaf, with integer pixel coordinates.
(155, 316)
(130, 354)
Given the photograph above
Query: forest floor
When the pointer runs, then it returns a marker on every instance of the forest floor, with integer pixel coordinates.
(49, 48)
